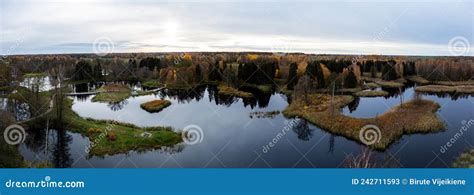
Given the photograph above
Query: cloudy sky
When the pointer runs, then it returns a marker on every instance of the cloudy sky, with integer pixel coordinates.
(423, 27)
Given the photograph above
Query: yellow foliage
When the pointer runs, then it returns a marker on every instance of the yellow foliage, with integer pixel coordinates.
(252, 56)
(277, 74)
(326, 72)
(187, 57)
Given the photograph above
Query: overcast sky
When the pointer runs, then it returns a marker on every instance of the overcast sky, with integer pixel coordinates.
(345, 27)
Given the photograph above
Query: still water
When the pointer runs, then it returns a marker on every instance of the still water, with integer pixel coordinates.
(231, 138)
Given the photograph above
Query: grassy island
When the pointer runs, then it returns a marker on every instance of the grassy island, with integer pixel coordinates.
(112, 93)
(112, 137)
(371, 93)
(230, 91)
(463, 89)
(416, 116)
(155, 105)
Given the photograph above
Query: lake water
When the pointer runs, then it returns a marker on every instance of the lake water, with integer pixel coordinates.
(231, 138)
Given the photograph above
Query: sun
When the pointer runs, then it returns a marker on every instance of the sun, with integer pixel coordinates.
(170, 28)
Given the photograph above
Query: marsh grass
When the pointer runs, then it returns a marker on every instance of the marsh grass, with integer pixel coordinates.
(462, 89)
(155, 105)
(127, 136)
(418, 79)
(230, 91)
(371, 93)
(388, 84)
(416, 116)
(112, 93)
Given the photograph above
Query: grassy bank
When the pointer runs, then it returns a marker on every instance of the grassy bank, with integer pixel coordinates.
(34, 74)
(464, 89)
(417, 116)
(112, 93)
(388, 84)
(155, 105)
(112, 137)
(454, 83)
(371, 93)
(230, 91)
(418, 79)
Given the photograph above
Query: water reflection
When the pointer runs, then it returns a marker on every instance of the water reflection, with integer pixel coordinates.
(233, 137)
(49, 145)
(303, 131)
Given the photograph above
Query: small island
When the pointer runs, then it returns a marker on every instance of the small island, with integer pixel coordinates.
(155, 105)
(415, 116)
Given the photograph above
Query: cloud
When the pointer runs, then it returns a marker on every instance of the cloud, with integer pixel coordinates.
(389, 27)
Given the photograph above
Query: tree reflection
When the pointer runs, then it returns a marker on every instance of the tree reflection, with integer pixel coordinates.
(61, 156)
(117, 106)
(302, 130)
(354, 104)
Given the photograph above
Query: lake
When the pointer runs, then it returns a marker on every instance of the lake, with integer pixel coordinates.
(231, 138)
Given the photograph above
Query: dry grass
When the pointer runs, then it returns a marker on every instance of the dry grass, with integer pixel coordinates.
(454, 83)
(125, 137)
(417, 116)
(388, 84)
(230, 91)
(371, 93)
(464, 89)
(418, 79)
(155, 105)
(112, 93)
(114, 87)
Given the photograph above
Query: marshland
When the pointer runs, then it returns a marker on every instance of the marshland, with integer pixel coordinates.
(203, 109)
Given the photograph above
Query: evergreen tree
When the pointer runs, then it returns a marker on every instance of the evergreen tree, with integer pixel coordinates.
(214, 72)
(351, 80)
(292, 76)
(388, 71)
(373, 71)
(83, 70)
(98, 71)
(198, 74)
